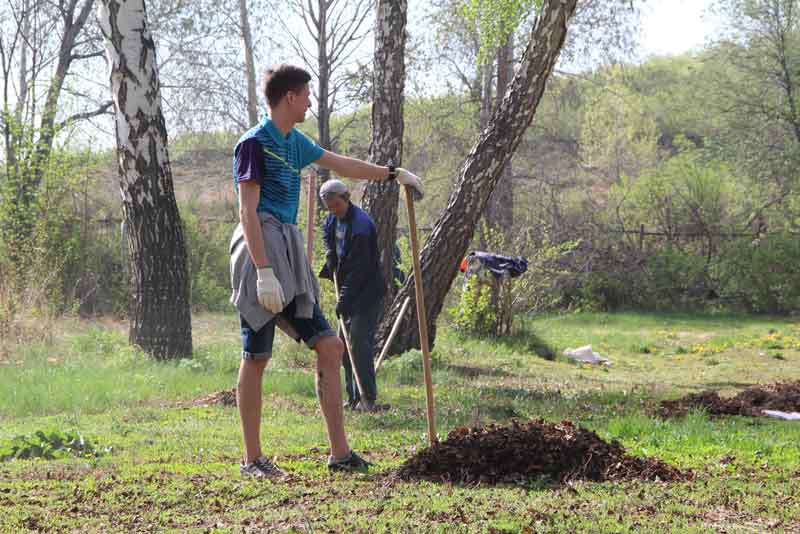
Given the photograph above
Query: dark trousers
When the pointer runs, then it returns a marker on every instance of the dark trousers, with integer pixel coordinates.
(361, 327)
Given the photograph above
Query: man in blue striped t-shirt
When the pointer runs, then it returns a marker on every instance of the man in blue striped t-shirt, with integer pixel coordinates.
(267, 163)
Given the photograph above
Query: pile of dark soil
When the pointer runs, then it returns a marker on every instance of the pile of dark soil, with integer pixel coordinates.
(226, 397)
(784, 397)
(524, 451)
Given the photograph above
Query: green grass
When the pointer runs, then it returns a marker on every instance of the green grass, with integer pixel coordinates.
(174, 469)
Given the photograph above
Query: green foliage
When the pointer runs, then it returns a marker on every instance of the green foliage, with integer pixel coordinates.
(674, 90)
(495, 20)
(762, 275)
(691, 192)
(673, 278)
(45, 239)
(599, 291)
(474, 314)
(541, 287)
(207, 254)
(439, 133)
(49, 444)
(688, 205)
(618, 130)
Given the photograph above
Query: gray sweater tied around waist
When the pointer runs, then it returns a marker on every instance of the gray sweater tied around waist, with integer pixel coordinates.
(285, 248)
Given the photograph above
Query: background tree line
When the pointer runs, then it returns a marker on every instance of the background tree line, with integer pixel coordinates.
(669, 183)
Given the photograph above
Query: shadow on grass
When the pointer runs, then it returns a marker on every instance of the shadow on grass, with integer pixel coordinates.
(525, 340)
(475, 371)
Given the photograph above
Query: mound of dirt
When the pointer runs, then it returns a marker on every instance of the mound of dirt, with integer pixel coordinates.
(226, 397)
(524, 451)
(783, 396)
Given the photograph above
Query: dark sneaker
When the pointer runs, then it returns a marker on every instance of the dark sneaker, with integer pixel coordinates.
(371, 407)
(262, 468)
(350, 405)
(354, 462)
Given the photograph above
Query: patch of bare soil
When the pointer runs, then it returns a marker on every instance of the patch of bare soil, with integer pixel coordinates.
(523, 451)
(225, 397)
(782, 396)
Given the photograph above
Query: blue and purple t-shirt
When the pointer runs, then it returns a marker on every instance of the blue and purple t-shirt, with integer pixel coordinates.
(275, 161)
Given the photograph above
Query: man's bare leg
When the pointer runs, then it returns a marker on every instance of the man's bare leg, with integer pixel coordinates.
(248, 398)
(329, 390)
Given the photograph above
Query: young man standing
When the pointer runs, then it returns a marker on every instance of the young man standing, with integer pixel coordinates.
(353, 259)
(273, 284)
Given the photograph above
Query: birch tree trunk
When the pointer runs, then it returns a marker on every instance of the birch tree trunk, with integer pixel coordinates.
(249, 63)
(381, 198)
(480, 172)
(160, 312)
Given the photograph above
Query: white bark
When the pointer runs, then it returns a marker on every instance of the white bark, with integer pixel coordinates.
(160, 316)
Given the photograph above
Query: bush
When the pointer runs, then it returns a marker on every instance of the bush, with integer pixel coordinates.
(676, 279)
(474, 314)
(48, 242)
(761, 275)
(207, 254)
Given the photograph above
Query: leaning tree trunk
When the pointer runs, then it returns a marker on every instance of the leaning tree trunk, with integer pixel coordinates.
(160, 312)
(479, 173)
(381, 198)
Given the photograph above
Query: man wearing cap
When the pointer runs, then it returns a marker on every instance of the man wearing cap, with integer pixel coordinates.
(273, 284)
(351, 243)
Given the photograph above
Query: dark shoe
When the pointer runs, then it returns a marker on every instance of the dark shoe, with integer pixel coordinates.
(261, 468)
(352, 463)
(371, 407)
(350, 405)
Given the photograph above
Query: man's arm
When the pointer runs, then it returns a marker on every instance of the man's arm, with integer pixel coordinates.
(249, 164)
(249, 194)
(268, 287)
(352, 167)
(363, 170)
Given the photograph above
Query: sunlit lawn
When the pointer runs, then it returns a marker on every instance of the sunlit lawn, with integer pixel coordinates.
(171, 468)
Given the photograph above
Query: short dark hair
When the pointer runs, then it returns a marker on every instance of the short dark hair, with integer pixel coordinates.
(279, 80)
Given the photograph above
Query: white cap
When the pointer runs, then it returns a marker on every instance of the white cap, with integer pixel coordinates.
(332, 187)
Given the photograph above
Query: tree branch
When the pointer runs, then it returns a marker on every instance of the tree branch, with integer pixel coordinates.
(102, 110)
(98, 53)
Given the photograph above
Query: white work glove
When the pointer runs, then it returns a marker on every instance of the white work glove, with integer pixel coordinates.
(413, 181)
(270, 292)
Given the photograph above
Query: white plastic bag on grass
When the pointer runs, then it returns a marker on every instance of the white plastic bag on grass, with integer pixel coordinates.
(786, 416)
(585, 354)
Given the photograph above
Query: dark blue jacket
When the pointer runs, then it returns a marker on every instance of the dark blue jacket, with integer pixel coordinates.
(359, 271)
